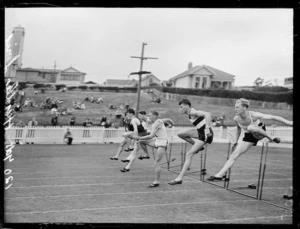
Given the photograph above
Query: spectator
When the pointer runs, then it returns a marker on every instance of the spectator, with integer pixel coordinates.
(20, 124)
(32, 122)
(54, 110)
(103, 121)
(68, 137)
(36, 92)
(99, 100)
(42, 90)
(82, 107)
(18, 108)
(87, 123)
(72, 121)
(27, 102)
(54, 120)
(31, 132)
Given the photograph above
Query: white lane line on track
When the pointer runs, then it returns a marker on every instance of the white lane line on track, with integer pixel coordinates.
(126, 207)
(73, 185)
(76, 177)
(123, 193)
(244, 219)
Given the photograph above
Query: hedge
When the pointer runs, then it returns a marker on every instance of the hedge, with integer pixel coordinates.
(59, 86)
(41, 85)
(260, 96)
(71, 87)
(84, 87)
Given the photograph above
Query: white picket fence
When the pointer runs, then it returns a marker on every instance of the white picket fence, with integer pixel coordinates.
(55, 135)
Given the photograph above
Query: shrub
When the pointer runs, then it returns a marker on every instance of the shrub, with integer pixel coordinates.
(271, 89)
(93, 87)
(59, 86)
(71, 87)
(84, 87)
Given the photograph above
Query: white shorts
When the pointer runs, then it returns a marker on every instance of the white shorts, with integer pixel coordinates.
(161, 142)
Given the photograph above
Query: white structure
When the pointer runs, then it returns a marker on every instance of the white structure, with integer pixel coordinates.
(17, 45)
(201, 77)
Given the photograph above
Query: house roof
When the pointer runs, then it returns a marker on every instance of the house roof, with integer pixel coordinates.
(148, 76)
(48, 70)
(215, 73)
(118, 82)
(90, 82)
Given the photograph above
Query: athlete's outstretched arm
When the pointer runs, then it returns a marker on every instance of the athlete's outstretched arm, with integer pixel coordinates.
(273, 117)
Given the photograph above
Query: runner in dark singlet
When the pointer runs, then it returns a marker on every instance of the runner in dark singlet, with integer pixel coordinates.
(198, 136)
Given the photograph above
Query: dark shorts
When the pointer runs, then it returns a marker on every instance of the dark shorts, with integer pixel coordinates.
(201, 135)
(248, 137)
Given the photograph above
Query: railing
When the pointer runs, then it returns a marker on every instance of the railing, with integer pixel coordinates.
(55, 135)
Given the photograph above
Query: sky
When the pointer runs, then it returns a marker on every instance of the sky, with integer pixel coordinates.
(247, 43)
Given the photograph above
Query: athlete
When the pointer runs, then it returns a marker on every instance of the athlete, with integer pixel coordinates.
(125, 140)
(198, 136)
(254, 130)
(136, 128)
(157, 139)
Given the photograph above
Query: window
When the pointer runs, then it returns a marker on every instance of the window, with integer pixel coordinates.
(197, 82)
(204, 82)
(150, 81)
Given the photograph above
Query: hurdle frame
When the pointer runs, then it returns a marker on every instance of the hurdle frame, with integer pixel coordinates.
(226, 181)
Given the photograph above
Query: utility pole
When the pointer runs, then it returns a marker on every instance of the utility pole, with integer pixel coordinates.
(142, 58)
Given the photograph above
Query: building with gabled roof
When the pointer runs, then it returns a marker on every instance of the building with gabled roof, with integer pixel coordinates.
(203, 76)
(68, 76)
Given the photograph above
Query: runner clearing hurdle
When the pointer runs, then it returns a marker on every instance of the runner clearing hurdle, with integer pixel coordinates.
(202, 135)
(255, 130)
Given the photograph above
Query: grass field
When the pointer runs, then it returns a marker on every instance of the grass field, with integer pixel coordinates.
(96, 111)
(78, 183)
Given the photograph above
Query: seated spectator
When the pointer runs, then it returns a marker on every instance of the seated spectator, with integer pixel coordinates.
(20, 124)
(18, 108)
(68, 137)
(99, 100)
(54, 120)
(27, 102)
(69, 111)
(42, 91)
(36, 92)
(63, 111)
(103, 121)
(87, 99)
(77, 106)
(72, 121)
(158, 100)
(48, 100)
(54, 110)
(53, 105)
(87, 123)
(64, 89)
(82, 107)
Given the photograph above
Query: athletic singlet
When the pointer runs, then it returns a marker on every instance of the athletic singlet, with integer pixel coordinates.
(140, 126)
(251, 123)
(198, 122)
(161, 133)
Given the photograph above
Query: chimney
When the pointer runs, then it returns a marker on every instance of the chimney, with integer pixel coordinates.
(190, 65)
